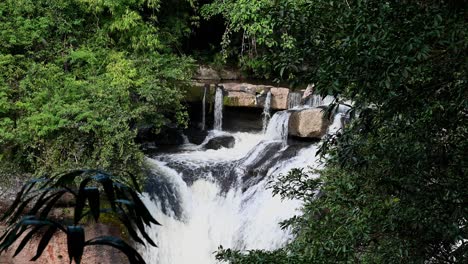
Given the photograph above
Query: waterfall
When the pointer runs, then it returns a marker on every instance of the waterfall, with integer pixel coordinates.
(210, 198)
(218, 109)
(266, 111)
(203, 124)
(294, 100)
(278, 127)
(199, 214)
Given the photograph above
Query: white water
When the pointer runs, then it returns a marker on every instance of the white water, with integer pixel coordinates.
(218, 110)
(266, 112)
(236, 219)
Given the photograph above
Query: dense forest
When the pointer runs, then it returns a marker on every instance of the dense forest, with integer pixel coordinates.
(78, 78)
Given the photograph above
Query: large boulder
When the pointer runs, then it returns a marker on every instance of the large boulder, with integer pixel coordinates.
(308, 123)
(223, 141)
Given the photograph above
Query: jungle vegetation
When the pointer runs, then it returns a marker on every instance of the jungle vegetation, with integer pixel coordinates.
(394, 186)
(77, 78)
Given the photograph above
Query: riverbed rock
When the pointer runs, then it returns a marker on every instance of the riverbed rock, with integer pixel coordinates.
(308, 123)
(223, 141)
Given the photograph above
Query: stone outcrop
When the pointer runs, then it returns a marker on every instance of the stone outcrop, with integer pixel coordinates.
(308, 123)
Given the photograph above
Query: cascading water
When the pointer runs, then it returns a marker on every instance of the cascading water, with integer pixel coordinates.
(210, 198)
(266, 111)
(317, 100)
(294, 100)
(218, 109)
(203, 124)
(278, 127)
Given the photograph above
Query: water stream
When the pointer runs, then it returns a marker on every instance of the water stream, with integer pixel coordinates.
(266, 112)
(218, 110)
(203, 124)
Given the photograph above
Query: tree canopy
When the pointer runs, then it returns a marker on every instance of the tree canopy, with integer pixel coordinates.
(78, 77)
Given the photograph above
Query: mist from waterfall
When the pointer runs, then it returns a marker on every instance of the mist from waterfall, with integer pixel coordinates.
(266, 112)
(218, 110)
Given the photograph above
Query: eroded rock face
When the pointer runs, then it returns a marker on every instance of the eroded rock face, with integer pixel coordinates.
(224, 141)
(308, 123)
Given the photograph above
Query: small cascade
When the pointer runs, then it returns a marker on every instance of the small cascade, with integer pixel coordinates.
(203, 124)
(278, 127)
(294, 100)
(266, 112)
(317, 100)
(218, 110)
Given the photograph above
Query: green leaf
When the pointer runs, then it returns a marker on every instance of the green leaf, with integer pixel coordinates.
(92, 194)
(75, 243)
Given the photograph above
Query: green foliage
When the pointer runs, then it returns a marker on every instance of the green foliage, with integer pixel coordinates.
(77, 78)
(38, 197)
(394, 187)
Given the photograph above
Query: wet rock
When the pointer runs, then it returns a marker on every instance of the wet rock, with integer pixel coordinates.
(224, 141)
(308, 123)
